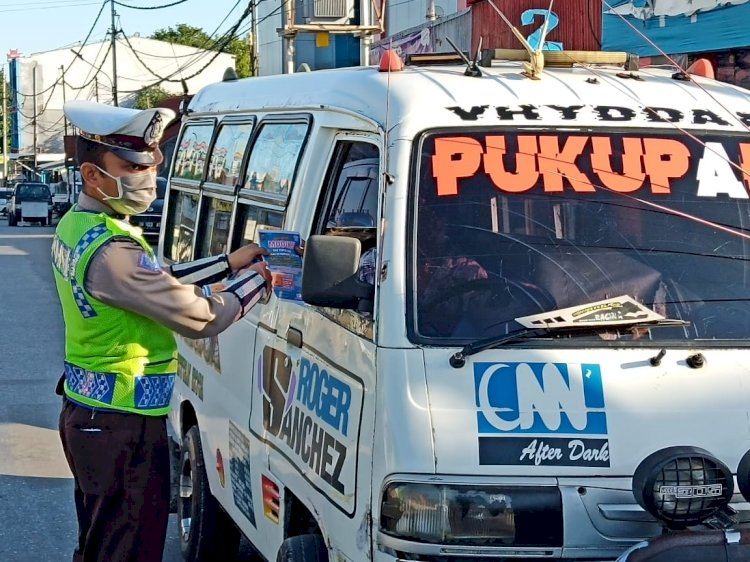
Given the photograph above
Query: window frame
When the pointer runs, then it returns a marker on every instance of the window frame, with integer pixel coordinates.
(192, 182)
(274, 119)
(180, 191)
(202, 226)
(228, 121)
(353, 321)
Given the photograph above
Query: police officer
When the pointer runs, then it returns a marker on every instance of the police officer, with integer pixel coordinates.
(121, 309)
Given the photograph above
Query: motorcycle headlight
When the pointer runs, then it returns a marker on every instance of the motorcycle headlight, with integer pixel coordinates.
(473, 515)
(682, 486)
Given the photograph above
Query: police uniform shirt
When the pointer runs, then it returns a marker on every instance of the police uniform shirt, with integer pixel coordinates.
(119, 276)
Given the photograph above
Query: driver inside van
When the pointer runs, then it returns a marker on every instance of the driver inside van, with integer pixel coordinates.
(440, 275)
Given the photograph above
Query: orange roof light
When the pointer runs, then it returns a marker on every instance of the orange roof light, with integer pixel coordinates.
(390, 61)
(702, 67)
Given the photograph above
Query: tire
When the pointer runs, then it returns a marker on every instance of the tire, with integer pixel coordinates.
(206, 531)
(303, 548)
(12, 219)
(43, 222)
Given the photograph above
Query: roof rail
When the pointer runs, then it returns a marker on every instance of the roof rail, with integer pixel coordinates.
(629, 61)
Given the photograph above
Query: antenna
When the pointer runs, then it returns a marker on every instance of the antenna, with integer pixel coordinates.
(533, 69)
(472, 66)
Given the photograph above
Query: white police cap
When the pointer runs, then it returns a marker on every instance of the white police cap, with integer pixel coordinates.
(131, 134)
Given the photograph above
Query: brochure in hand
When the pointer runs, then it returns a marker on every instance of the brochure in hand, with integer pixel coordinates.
(283, 262)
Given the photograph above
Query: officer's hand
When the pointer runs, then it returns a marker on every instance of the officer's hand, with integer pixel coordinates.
(300, 250)
(244, 256)
(262, 268)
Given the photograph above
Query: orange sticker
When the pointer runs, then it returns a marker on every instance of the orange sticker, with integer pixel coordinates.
(456, 157)
(557, 164)
(745, 163)
(632, 176)
(664, 159)
(526, 175)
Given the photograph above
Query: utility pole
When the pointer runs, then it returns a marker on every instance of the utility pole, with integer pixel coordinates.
(5, 132)
(431, 15)
(254, 37)
(289, 36)
(33, 91)
(96, 87)
(65, 119)
(114, 54)
(365, 20)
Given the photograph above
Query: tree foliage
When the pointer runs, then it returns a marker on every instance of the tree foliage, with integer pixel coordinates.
(149, 97)
(184, 34)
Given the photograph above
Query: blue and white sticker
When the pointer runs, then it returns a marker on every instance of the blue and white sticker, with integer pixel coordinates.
(541, 414)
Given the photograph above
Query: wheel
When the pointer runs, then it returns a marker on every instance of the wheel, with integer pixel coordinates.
(206, 531)
(303, 548)
(12, 219)
(43, 222)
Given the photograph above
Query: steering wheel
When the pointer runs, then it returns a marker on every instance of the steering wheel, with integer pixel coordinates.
(504, 292)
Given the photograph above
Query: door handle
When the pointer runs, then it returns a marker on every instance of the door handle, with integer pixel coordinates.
(294, 337)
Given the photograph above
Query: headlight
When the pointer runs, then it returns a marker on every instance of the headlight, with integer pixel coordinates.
(743, 476)
(473, 515)
(682, 486)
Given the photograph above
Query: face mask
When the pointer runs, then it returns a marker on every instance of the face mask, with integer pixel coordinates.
(135, 192)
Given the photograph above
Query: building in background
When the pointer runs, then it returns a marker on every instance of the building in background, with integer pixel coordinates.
(713, 29)
(42, 82)
(429, 37)
(576, 25)
(345, 31)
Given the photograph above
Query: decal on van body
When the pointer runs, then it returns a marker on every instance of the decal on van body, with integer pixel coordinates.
(541, 414)
(312, 416)
(605, 113)
(240, 472)
(191, 376)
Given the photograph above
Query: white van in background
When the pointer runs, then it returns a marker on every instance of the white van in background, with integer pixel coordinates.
(552, 360)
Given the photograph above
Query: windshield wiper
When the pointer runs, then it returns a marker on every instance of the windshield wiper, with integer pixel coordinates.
(611, 314)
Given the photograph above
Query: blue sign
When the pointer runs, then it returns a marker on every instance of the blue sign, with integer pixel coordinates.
(675, 26)
(539, 398)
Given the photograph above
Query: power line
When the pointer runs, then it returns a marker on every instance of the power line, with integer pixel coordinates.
(88, 35)
(150, 7)
(50, 7)
(218, 44)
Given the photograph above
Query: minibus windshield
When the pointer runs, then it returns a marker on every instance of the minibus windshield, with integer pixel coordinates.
(518, 223)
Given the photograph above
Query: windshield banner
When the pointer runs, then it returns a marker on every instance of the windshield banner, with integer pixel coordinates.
(654, 164)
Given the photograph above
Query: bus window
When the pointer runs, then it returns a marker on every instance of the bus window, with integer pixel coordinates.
(190, 159)
(215, 227)
(226, 155)
(274, 157)
(183, 210)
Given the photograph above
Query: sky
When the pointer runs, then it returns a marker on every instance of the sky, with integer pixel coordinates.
(32, 26)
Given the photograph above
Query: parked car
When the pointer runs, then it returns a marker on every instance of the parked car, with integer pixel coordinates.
(30, 202)
(150, 221)
(61, 201)
(5, 195)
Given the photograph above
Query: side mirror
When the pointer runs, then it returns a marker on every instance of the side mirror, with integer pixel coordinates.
(329, 274)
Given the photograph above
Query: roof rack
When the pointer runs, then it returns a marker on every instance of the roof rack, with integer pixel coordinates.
(419, 59)
(628, 61)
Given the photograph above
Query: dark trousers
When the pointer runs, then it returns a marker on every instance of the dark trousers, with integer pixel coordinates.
(120, 463)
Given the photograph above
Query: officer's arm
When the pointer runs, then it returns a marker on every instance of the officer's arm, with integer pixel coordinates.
(203, 271)
(209, 270)
(121, 274)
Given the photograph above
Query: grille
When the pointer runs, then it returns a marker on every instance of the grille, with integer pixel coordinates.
(330, 8)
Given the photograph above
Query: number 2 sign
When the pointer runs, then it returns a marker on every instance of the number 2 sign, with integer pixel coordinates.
(529, 16)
